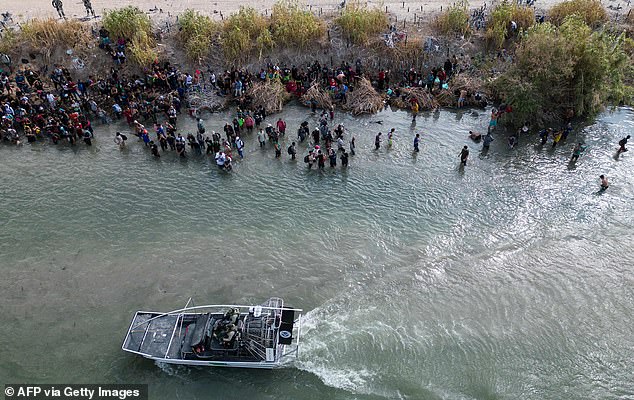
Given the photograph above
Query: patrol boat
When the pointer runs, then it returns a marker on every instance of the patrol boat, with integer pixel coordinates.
(261, 336)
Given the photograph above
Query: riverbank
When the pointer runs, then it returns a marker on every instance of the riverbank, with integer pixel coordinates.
(414, 57)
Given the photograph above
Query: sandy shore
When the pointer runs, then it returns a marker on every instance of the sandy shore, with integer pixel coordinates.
(27, 9)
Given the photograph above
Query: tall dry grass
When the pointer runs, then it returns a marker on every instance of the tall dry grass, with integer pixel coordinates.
(197, 32)
(591, 11)
(454, 20)
(292, 26)
(359, 23)
(499, 24)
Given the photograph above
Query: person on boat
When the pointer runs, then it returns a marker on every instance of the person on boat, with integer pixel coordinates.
(604, 182)
(464, 155)
(230, 336)
(622, 144)
(475, 136)
(416, 142)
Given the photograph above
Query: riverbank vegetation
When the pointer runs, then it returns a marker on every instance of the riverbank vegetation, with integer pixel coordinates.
(500, 24)
(591, 11)
(46, 36)
(574, 64)
(359, 23)
(135, 27)
(244, 32)
(565, 70)
(454, 20)
(197, 32)
(292, 26)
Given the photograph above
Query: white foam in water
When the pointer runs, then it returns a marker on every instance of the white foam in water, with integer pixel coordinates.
(316, 357)
(355, 381)
(173, 369)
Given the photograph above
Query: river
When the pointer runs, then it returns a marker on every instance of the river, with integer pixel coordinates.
(509, 279)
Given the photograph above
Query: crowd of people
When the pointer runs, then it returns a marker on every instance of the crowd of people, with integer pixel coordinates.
(38, 105)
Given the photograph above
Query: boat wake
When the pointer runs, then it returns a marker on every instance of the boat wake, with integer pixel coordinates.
(319, 353)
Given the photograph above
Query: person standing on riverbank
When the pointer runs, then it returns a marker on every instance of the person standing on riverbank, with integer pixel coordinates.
(59, 7)
(89, 9)
(464, 155)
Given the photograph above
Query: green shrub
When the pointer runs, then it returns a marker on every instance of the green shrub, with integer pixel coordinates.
(243, 32)
(561, 68)
(359, 23)
(591, 11)
(197, 31)
(499, 24)
(135, 26)
(292, 26)
(454, 20)
(127, 22)
(8, 41)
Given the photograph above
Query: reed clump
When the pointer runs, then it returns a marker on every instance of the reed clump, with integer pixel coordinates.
(591, 11)
(499, 26)
(197, 32)
(454, 20)
(8, 41)
(133, 25)
(243, 32)
(50, 33)
(292, 26)
(359, 23)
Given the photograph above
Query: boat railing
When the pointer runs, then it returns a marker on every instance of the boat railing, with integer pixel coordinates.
(195, 308)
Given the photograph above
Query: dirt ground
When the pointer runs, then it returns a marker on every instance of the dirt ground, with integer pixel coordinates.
(27, 9)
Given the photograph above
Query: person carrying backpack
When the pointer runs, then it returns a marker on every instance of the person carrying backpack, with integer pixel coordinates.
(292, 151)
(622, 144)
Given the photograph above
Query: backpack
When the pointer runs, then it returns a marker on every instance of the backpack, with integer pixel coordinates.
(290, 149)
(306, 158)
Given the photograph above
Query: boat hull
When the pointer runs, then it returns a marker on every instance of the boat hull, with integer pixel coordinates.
(226, 364)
